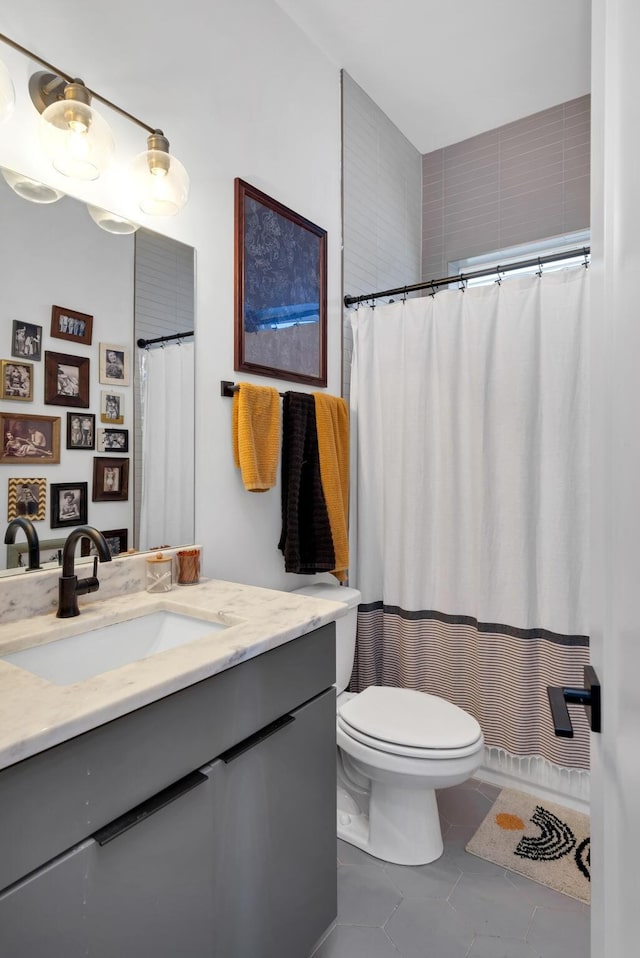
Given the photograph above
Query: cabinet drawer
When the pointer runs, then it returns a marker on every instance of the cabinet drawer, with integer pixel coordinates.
(54, 800)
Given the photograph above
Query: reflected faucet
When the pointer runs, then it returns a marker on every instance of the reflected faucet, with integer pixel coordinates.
(70, 587)
(32, 539)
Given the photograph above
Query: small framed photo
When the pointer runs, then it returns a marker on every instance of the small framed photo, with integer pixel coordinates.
(113, 440)
(117, 540)
(68, 504)
(26, 341)
(16, 380)
(66, 380)
(110, 479)
(112, 408)
(114, 365)
(70, 325)
(81, 430)
(27, 497)
(29, 438)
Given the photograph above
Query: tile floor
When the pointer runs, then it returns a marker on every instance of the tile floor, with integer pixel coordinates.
(458, 907)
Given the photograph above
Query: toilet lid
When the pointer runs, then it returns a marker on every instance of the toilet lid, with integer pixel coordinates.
(407, 717)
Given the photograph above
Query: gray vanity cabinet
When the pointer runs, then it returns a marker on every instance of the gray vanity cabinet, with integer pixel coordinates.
(230, 859)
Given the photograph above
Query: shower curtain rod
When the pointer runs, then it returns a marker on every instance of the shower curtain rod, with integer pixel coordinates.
(143, 343)
(432, 284)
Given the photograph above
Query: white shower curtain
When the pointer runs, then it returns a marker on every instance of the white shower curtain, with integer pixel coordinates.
(469, 417)
(167, 397)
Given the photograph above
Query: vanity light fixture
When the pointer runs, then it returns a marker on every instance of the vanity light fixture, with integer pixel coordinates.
(160, 180)
(7, 92)
(75, 138)
(111, 222)
(79, 143)
(29, 189)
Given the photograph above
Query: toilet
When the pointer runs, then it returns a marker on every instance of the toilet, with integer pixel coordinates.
(395, 748)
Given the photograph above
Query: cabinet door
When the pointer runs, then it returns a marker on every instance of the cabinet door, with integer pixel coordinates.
(274, 813)
(144, 892)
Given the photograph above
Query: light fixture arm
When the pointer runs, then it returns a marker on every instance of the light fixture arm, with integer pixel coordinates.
(54, 86)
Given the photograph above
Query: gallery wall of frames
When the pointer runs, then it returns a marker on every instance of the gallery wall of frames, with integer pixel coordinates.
(66, 377)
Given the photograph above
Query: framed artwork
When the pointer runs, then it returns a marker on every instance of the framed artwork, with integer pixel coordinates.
(81, 430)
(68, 504)
(70, 325)
(26, 341)
(114, 365)
(110, 479)
(29, 438)
(27, 497)
(112, 407)
(113, 440)
(280, 290)
(16, 380)
(117, 540)
(50, 551)
(66, 380)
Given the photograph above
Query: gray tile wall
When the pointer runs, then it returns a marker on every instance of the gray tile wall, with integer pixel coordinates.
(524, 181)
(382, 189)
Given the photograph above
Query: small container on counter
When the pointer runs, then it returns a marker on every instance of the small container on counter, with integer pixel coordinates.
(159, 578)
(188, 566)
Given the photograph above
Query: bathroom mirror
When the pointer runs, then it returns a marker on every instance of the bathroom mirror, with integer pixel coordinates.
(56, 262)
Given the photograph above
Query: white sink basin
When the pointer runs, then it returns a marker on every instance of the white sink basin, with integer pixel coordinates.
(79, 657)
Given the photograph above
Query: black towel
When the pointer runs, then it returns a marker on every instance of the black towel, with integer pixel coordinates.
(306, 541)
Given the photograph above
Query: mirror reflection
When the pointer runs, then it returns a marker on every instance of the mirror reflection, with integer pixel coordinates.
(74, 296)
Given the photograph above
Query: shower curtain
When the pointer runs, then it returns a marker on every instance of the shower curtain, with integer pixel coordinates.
(167, 400)
(469, 423)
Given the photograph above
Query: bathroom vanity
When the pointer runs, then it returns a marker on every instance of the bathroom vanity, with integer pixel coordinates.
(183, 804)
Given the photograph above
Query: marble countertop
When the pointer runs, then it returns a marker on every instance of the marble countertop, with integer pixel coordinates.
(36, 714)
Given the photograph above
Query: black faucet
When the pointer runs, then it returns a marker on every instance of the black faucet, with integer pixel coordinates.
(70, 587)
(32, 539)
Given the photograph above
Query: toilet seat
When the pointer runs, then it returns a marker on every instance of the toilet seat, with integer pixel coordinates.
(410, 723)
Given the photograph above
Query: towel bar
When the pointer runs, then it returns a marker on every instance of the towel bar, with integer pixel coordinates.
(588, 696)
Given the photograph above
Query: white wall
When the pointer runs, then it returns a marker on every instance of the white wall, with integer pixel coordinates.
(239, 91)
(615, 474)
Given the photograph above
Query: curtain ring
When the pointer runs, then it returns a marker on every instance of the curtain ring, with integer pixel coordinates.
(462, 283)
(499, 279)
(539, 269)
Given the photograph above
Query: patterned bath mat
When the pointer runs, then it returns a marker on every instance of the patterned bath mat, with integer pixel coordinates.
(546, 842)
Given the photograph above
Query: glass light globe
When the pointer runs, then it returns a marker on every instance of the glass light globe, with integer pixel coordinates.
(161, 183)
(7, 92)
(76, 139)
(111, 222)
(29, 189)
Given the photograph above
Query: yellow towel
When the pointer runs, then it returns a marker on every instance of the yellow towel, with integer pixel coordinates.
(332, 423)
(256, 435)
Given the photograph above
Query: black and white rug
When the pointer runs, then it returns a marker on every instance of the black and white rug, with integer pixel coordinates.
(546, 842)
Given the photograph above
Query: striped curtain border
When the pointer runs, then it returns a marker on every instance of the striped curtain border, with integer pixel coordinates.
(468, 620)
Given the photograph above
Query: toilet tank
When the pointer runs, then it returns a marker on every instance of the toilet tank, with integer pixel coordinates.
(345, 626)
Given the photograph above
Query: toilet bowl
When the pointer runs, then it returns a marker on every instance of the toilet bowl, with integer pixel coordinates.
(395, 748)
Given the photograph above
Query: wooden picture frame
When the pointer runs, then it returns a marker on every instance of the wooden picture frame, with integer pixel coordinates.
(110, 479)
(81, 430)
(68, 504)
(112, 407)
(70, 325)
(27, 497)
(117, 540)
(114, 365)
(66, 380)
(113, 440)
(26, 341)
(16, 380)
(280, 290)
(29, 438)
